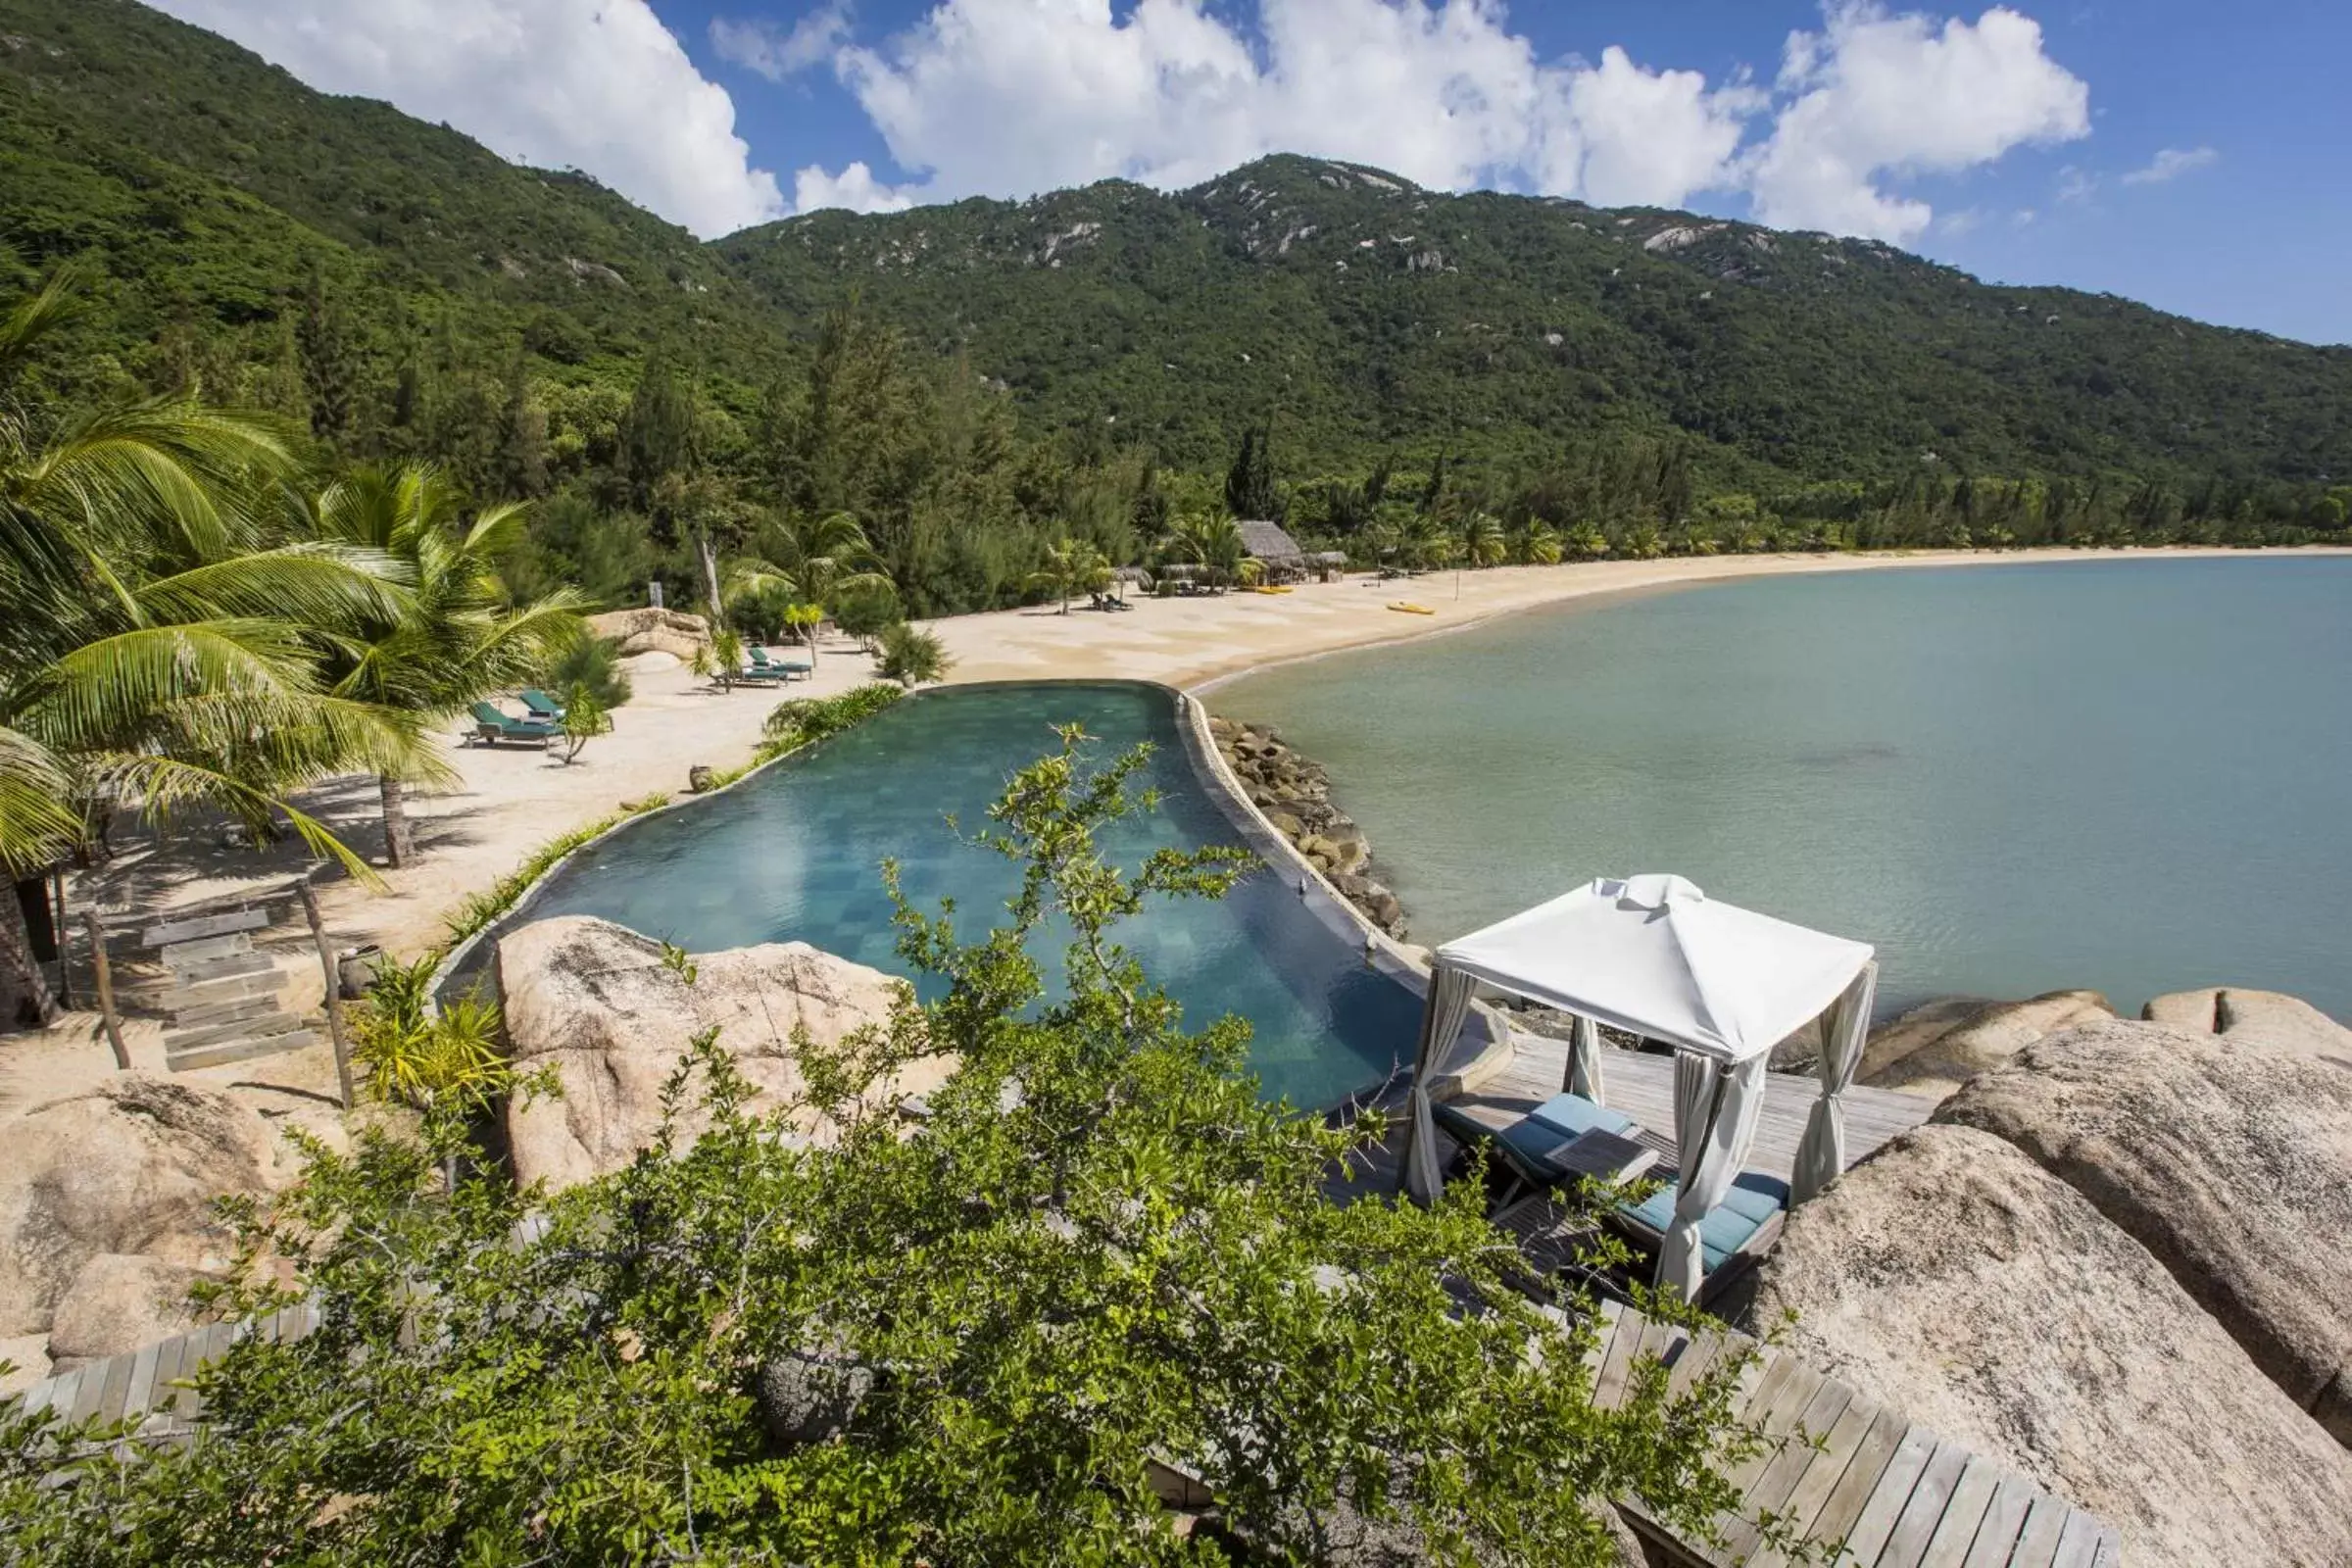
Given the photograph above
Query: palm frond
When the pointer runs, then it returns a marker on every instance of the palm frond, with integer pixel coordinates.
(165, 786)
(37, 824)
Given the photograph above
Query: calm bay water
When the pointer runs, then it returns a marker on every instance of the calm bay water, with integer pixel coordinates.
(2134, 776)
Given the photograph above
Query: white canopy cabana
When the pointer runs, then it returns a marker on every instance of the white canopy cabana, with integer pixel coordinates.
(1655, 956)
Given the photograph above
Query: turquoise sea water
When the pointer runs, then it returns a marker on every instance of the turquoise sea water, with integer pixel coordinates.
(2134, 775)
(796, 853)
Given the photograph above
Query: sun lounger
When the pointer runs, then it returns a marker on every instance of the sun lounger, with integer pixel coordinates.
(766, 668)
(1521, 1146)
(490, 726)
(542, 706)
(1734, 1234)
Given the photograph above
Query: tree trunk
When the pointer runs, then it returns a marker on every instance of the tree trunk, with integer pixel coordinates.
(25, 997)
(813, 647)
(400, 839)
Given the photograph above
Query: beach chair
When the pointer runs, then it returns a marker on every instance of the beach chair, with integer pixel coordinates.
(1736, 1233)
(490, 726)
(542, 706)
(777, 670)
(1518, 1148)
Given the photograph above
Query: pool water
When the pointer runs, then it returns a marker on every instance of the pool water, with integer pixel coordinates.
(795, 854)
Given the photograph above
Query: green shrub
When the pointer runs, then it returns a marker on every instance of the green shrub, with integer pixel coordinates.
(798, 721)
(913, 657)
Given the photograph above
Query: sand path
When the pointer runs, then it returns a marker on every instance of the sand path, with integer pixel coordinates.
(510, 800)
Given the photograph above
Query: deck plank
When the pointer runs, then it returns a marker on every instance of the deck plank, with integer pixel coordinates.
(2037, 1543)
(1860, 1479)
(1890, 1497)
(2005, 1518)
(1820, 1477)
(1964, 1515)
(1923, 1515)
(2077, 1541)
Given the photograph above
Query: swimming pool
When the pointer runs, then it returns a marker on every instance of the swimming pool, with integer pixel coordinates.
(795, 854)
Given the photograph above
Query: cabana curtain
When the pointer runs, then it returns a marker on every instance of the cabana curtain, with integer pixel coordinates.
(1443, 1015)
(1583, 1060)
(1716, 1104)
(1843, 1029)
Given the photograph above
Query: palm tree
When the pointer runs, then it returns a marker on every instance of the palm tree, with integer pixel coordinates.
(1483, 543)
(1537, 545)
(1215, 543)
(153, 641)
(815, 557)
(1073, 566)
(454, 638)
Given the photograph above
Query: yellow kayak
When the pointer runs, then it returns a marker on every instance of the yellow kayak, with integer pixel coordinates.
(1270, 588)
(1408, 608)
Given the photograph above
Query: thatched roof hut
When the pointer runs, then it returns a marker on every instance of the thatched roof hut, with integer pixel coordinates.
(1327, 563)
(1278, 550)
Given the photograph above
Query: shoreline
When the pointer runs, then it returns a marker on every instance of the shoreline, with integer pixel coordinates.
(507, 803)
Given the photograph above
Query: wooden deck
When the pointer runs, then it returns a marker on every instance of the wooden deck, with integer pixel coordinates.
(1840, 1468)
(1642, 1085)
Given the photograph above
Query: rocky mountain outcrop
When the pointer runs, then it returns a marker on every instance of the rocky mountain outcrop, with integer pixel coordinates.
(647, 630)
(1953, 1277)
(2227, 1153)
(1294, 793)
(1935, 1049)
(128, 1167)
(612, 1014)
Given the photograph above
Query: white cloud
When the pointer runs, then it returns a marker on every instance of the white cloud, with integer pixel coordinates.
(2077, 184)
(2172, 164)
(599, 85)
(855, 188)
(778, 53)
(1876, 94)
(1015, 96)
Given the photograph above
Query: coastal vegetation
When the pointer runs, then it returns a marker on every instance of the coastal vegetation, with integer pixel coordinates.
(1401, 373)
(1087, 1279)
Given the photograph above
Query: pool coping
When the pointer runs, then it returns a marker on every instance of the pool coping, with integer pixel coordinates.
(1328, 906)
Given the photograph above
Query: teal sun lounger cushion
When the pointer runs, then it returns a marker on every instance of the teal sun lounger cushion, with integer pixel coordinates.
(1574, 1114)
(1752, 1201)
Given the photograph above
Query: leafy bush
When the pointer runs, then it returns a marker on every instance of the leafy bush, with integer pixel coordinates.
(584, 718)
(865, 614)
(798, 721)
(912, 657)
(595, 663)
(1100, 1255)
(421, 1058)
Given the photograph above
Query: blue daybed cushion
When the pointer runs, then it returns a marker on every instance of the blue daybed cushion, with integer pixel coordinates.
(1572, 1114)
(1752, 1201)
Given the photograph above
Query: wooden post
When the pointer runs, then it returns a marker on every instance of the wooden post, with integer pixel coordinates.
(334, 990)
(105, 990)
(57, 923)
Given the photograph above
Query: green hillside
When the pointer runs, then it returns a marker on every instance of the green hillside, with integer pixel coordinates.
(975, 381)
(1357, 311)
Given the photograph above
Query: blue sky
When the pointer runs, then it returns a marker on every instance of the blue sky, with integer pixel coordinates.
(2190, 154)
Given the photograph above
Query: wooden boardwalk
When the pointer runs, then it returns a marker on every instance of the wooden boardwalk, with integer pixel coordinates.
(1840, 1468)
(153, 1382)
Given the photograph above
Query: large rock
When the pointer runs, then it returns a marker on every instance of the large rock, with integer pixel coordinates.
(119, 1303)
(647, 631)
(1953, 1278)
(131, 1165)
(597, 1002)
(1932, 1050)
(2228, 1156)
(2276, 1019)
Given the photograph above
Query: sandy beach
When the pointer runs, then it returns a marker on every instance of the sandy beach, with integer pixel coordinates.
(511, 798)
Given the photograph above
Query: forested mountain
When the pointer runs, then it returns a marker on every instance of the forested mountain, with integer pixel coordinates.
(975, 381)
(1359, 312)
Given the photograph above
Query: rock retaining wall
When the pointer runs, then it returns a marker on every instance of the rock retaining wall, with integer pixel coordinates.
(1293, 794)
